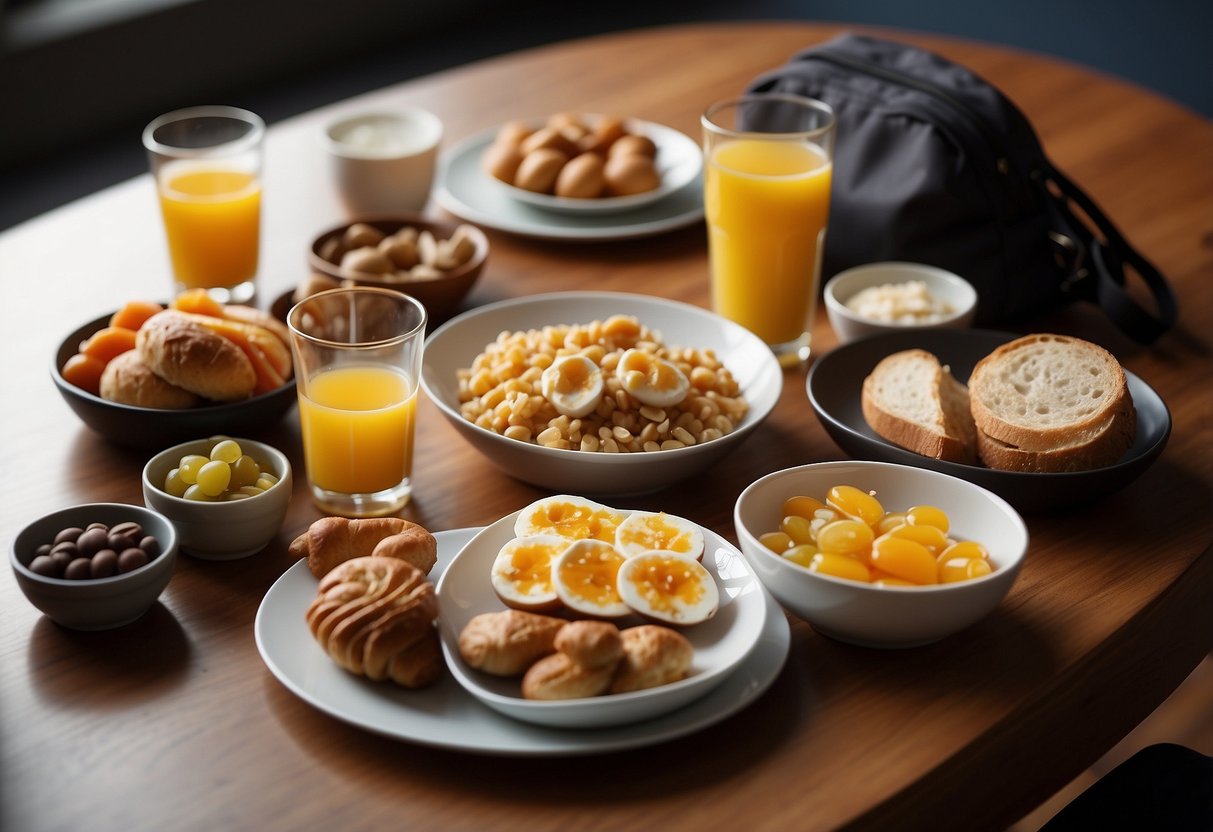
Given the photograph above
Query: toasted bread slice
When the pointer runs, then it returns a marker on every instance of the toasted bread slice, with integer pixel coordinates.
(1098, 449)
(913, 401)
(1044, 392)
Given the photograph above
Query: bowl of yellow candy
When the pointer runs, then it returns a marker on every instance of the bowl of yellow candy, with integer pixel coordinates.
(877, 554)
(226, 497)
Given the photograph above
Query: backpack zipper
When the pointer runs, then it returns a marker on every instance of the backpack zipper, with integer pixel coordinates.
(1001, 163)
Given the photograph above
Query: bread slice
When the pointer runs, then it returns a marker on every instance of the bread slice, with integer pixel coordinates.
(1099, 449)
(1044, 392)
(913, 401)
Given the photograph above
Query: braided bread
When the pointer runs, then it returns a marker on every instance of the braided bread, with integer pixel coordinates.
(374, 616)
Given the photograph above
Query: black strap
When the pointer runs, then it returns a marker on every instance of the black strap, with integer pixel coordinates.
(1100, 267)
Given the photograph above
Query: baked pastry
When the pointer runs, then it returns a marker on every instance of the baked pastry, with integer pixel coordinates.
(333, 540)
(652, 656)
(191, 356)
(374, 616)
(913, 401)
(128, 380)
(507, 643)
(559, 677)
(1045, 391)
(590, 643)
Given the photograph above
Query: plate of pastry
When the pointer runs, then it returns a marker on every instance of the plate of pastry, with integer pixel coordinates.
(445, 715)
(573, 614)
(1056, 421)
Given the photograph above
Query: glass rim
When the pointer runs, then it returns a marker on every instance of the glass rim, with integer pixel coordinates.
(359, 345)
(790, 98)
(245, 142)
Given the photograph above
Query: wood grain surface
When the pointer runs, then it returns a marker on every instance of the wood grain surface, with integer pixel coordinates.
(174, 722)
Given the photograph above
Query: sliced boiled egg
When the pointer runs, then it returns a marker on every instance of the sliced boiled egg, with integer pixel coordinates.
(668, 587)
(651, 380)
(571, 517)
(643, 531)
(522, 572)
(584, 576)
(573, 384)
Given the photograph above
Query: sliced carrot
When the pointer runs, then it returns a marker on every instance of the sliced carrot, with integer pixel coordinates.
(199, 302)
(109, 343)
(84, 371)
(134, 314)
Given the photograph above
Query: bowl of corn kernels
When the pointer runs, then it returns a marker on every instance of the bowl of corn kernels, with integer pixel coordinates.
(226, 497)
(880, 555)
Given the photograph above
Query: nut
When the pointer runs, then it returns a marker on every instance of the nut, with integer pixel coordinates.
(366, 260)
(360, 234)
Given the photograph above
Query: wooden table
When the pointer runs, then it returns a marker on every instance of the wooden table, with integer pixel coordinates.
(174, 722)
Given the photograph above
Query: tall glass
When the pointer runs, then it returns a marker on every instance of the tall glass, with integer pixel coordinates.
(357, 365)
(767, 161)
(207, 165)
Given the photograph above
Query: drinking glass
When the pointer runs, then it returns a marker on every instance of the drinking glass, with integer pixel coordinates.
(767, 163)
(357, 365)
(207, 165)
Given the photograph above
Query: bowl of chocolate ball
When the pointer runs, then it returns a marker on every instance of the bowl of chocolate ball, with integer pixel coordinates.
(95, 566)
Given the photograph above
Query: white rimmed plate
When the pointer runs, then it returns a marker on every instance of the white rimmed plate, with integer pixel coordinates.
(721, 643)
(446, 716)
(464, 189)
(679, 161)
(455, 344)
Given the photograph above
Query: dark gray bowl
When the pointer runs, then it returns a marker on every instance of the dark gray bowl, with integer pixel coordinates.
(149, 427)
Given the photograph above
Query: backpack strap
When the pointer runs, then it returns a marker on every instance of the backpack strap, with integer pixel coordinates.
(1098, 265)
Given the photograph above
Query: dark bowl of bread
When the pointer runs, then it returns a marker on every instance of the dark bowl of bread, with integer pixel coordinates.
(1044, 420)
(434, 261)
(187, 374)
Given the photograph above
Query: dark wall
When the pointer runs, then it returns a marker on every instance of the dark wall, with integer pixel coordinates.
(72, 103)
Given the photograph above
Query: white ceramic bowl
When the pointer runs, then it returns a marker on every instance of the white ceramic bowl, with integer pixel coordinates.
(384, 161)
(721, 643)
(955, 291)
(872, 616)
(453, 347)
(221, 530)
(97, 603)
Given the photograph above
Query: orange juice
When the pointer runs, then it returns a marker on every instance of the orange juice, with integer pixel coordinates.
(357, 425)
(767, 203)
(212, 218)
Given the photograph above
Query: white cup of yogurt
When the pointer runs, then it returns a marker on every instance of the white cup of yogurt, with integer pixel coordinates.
(384, 161)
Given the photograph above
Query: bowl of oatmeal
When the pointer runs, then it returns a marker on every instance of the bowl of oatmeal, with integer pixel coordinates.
(888, 297)
(600, 393)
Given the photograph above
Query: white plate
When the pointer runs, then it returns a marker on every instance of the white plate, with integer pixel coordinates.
(453, 346)
(466, 191)
(721, 643)
(446, 716)
(679, 161)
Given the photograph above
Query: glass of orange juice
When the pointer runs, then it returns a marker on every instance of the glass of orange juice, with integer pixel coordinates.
(358, 365)
(768, 161)
(207, 165)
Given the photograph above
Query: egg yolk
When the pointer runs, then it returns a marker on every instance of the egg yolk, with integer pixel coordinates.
(578, 522)
(666, 583)
(592, 576)
(658, 533)
(530, 568)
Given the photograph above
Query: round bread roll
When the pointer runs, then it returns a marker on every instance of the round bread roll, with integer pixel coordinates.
(188, 355)
(128, 380)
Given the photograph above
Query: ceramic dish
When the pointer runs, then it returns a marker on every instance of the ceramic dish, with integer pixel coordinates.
(721, 643)
(147, 427)
(453, 347)
(446, 716)
(836, 380)
(679, 160)
(466, 191)
(942, 285)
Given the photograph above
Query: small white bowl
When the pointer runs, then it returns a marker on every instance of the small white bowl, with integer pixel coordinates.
(942, 285)
(384, 161)
(454, 345)
(222, 530)
(95, 603)
(721, 643)
(868, 615)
